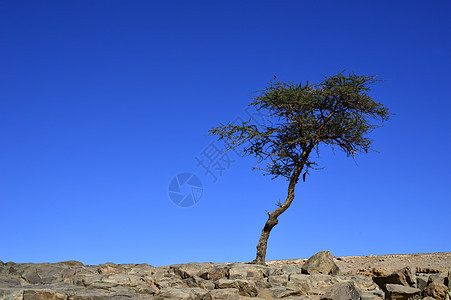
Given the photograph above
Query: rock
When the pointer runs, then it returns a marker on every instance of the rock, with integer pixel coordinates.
(42, 295)
(71, 263)
(401, 292)
(208, 271)
(291, 269)
(403, 277)
(148, 289)
(372, 295)
(448, 280)
(94, 295)
(229, 293)
(200, 293)
(141, 270)
(422, 281)
(72, 280)
(343, 290)
(86, 280)
(110, 268)
(427, 270)
(320, 263)
(436, 290)
(11, 282)
(262, 283)
(198, 282)
(361, 282)
(278, 292)
(247, 288)
(165, 282)
(278, 280)
(439, 277)
(322, 282)
(272, 271)
(175, 293)
(299, 282)
(41, 273)
(11, 293)
(243, 271)
(123, 279)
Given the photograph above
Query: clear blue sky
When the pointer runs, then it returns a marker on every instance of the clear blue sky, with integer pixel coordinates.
(102, 103)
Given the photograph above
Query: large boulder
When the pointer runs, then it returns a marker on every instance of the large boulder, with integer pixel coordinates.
(342, 290)
(320, 263)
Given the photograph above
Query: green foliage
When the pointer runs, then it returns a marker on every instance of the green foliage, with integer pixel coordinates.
(336, 112)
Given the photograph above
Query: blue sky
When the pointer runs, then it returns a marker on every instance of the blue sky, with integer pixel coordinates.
(102, 103)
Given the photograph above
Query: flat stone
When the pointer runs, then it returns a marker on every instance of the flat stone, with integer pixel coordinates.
(291, 269)
(401, 292)
(71, 263)
(372, 295)
(272, 271)
(299, 282)
(279, 280)
(361, 282)
(42, 295)
(342, 290)
(110, 268)
(175, 293)
(247, 288)
(246, 271)
(11, 293)
(278, 292)
(230, 293)
(208, 271)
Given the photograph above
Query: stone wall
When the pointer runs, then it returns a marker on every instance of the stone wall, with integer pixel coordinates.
(318, 278)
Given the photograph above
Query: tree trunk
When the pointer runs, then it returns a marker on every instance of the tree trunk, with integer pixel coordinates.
(272, 217)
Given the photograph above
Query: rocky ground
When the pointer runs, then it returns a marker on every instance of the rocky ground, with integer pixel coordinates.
(412, 276)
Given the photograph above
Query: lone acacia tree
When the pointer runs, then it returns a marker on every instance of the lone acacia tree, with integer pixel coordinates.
(336, 112)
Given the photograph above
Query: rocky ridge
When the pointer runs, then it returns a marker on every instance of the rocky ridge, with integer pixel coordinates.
(320, 277)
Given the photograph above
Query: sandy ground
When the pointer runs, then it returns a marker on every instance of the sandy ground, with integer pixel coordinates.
(374, 264)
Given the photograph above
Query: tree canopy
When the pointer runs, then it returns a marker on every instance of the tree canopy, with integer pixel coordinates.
(337, 112)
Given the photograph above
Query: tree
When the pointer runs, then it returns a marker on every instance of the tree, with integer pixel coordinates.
(337, 112)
